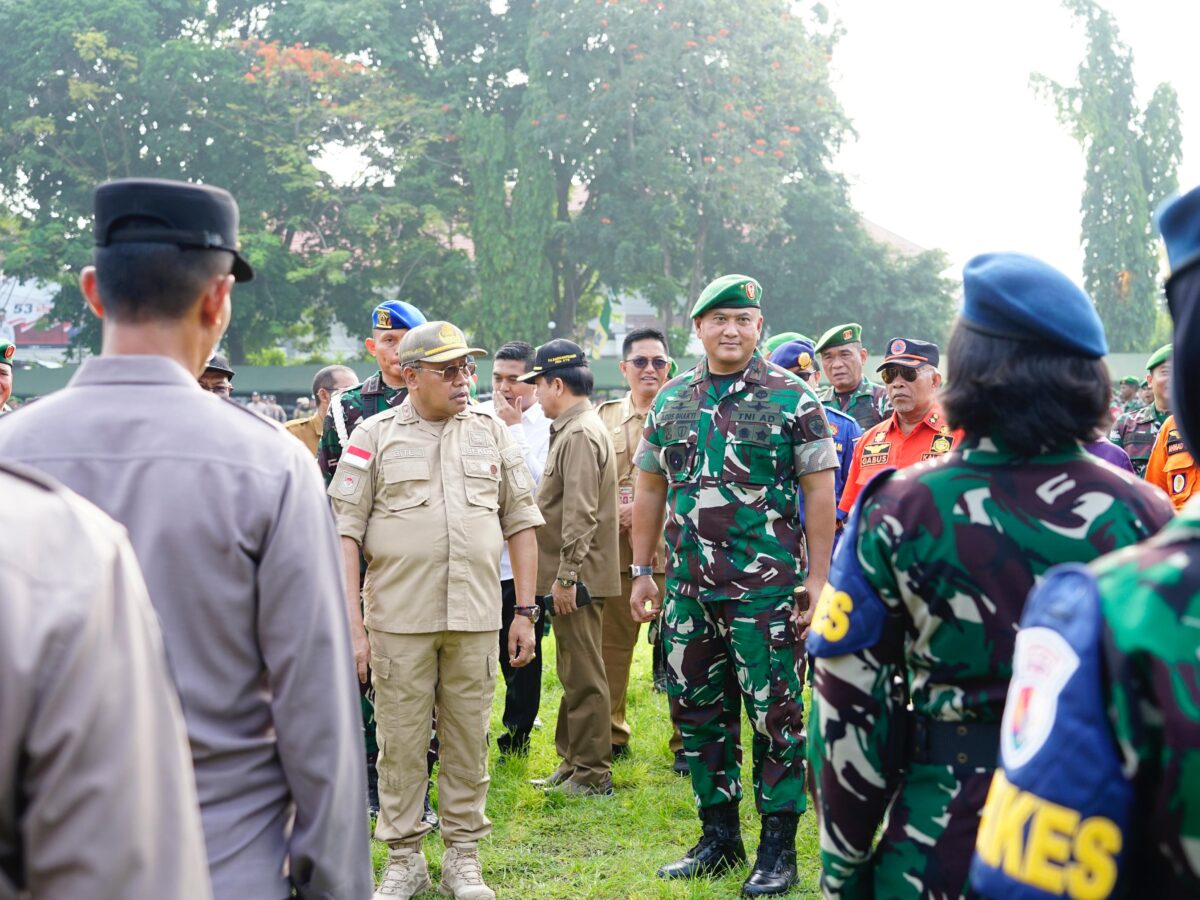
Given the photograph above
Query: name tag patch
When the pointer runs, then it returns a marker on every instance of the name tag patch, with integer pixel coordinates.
(875, 454)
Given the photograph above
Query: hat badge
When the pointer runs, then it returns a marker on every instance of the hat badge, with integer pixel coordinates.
(847, 334)
(449, 333)
(751, 290)
(384, 318)
(897, 347)
(9, 351)
(803, 361)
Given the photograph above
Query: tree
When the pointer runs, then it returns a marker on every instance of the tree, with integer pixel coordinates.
(1132, 159)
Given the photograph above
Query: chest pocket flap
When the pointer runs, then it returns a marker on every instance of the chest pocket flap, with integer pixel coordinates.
(482, 481)
(406, 482)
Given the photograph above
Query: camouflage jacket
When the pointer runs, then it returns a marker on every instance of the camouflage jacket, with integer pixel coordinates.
(946, 553)
(347, 409)
(733, 459)
(867, 404)
(1135, 432)
(1148, 597)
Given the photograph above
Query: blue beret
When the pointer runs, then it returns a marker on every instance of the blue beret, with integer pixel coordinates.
(794, 355)
(1178, 220)
(1015, 296)
(396, 314)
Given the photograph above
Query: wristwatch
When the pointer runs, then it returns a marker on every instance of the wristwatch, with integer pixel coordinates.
(566, 582)
(638, 571)
(532, 613)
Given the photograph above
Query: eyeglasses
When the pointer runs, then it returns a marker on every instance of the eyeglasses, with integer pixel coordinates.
(889, 373)
(450, 373)
(640, 362)
(222, 390)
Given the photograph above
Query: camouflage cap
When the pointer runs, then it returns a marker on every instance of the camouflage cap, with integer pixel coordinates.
(728, 292)
(775, 341)
(1158, 357)
(850, 333)
(7, 350)
(435, 342)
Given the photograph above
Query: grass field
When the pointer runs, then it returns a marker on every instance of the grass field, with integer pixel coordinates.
(549, 846)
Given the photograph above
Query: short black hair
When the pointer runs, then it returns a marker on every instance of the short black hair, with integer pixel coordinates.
(1035, 398)
(324, 378)
(140, 282)
(643, 334)
(519, 351)
(579, 379)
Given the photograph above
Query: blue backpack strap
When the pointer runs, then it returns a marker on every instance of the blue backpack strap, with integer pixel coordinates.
(850, 614)
(1056, 821)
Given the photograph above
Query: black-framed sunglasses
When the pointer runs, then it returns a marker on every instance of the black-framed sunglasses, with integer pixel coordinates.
(450, 373)
(888, 373)
(640, 362)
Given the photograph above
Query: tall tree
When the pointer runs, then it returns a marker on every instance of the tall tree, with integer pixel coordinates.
(1132, 158)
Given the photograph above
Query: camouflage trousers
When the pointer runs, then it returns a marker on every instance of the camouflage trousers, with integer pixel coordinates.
(719, 655)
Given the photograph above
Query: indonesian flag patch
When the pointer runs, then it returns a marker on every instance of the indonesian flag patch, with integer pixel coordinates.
(357, 457)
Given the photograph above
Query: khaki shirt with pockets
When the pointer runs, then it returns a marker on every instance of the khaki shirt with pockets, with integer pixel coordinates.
(431, 504)
(578, 497)
(625, 425)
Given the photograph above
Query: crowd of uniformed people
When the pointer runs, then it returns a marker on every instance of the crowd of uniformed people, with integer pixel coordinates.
(229, 648)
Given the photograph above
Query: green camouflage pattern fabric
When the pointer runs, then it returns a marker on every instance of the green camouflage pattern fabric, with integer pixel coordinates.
(733, 458)
(357, 403)
(867, 404)
(1135, 433)
(1132, 405)
(1150, 600)
(718, 656)
(952, 547)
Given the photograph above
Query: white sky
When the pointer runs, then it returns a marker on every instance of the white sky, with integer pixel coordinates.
(954, 148)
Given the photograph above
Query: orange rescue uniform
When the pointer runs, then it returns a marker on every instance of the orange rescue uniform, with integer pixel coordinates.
(1171, 467)
(885, 446)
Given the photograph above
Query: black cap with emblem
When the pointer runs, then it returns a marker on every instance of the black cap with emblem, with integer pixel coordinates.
(556, 354)
(157, 211)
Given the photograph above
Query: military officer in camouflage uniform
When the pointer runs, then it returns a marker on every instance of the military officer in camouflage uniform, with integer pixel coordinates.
(1134, 432)
(390, 321)
(726, 447)
(843, 357)
(7, 351)
(935, 564)
(1127, 396)
(1123, 816)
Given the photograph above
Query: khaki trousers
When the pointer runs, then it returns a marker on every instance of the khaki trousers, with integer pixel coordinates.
(582, 734)
(456, 670)
(620, 640)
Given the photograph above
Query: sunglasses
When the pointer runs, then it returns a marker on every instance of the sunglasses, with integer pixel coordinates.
(889, 373)
(450, 373)
(640, 362)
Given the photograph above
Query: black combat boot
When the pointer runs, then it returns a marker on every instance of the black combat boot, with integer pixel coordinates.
(775, 868)
(720, 847)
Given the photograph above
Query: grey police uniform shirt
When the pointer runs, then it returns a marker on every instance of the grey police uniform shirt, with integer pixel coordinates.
(96, 791)
(229, 522)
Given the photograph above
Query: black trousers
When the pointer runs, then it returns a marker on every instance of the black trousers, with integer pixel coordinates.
(523, 686)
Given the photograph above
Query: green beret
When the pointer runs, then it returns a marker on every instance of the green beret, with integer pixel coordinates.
(1158, 357)
(672, 367)
(7, 350)
(1131, 380)
(728, 292)
(850, 333)
(775, 341)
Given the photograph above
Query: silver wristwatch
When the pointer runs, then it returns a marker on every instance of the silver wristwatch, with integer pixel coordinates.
(636, 571)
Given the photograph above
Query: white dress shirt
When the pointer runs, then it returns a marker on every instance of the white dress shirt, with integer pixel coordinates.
(532, 435)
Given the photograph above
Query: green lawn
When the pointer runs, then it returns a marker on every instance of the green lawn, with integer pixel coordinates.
(548, 846)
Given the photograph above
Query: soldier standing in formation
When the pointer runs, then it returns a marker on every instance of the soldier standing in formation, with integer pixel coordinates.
(936, 562)
(727, 446)
(1127, 394)
(1101, 739)
(235, 541)
(1135, 432)
(843, 357)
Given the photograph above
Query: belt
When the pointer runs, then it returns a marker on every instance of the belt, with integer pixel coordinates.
(960, 745)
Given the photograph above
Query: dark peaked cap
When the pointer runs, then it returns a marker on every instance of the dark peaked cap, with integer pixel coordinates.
(188, 215)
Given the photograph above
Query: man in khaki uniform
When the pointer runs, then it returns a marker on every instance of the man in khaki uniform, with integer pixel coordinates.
(416, 485)
(578, 498)
(326, 383)
(644, 365)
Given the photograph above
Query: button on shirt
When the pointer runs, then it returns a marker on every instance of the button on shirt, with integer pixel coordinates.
(532, 436)
(431, 504)
(231, 528)
(885, 446)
